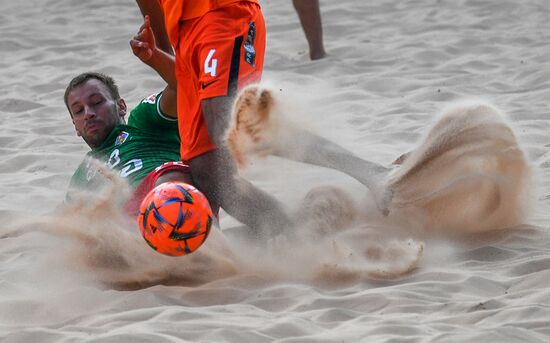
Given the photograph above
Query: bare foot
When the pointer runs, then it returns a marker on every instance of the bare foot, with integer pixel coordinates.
(251, 126)
(317, 54)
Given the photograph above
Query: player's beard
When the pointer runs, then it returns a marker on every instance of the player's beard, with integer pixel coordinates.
(97, 136)
(97, 133)
(98, 129)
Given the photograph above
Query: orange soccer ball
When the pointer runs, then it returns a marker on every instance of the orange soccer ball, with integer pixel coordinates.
(175, 218)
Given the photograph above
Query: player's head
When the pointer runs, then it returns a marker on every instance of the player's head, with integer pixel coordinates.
(95, 106)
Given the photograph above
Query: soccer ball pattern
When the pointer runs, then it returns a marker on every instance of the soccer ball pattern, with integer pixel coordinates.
(175, 218)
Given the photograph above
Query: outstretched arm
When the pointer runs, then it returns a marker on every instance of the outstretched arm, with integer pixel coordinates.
(144, 47)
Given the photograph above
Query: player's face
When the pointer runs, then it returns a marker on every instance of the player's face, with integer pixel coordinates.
(95, 113)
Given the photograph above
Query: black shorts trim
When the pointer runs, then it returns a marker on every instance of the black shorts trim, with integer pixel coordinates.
(234, 71)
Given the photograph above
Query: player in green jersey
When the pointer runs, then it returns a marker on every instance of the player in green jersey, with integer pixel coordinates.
(149, 139)
(134, 150)
(145, 151)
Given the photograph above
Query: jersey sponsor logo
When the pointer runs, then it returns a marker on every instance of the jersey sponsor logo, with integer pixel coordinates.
(249, 51)
(211, 64)
(121, 138)
(151, 99)
(249, 54)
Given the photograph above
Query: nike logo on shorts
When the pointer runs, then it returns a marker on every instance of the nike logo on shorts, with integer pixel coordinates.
(204, 85)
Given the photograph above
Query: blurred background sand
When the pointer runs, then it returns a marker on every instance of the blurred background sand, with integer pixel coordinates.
(392, 66)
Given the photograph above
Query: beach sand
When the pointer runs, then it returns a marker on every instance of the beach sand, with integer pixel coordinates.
(392, 68)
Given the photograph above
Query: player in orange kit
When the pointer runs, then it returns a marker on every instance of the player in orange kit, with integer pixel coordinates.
(219, 47)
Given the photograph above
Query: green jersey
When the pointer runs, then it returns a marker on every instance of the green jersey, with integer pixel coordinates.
(132, 150)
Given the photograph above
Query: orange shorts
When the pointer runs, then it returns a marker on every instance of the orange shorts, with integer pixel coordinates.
(217, 54)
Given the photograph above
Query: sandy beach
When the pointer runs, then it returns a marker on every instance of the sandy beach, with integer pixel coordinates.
(392, 68)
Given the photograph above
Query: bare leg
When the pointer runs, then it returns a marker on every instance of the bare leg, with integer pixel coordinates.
(254, 128)
(310, 18)
(215, 174)
(238, 197)
(316, 150)
(174, 176)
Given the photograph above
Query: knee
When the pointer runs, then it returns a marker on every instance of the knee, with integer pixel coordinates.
(174, 176)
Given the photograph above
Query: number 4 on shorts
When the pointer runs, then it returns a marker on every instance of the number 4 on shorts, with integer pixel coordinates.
(210, 64)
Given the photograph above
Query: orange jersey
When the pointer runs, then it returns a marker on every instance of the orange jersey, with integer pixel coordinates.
(219, 53)
(176, 11)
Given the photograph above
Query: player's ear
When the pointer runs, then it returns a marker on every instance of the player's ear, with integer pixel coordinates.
(122, 108)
